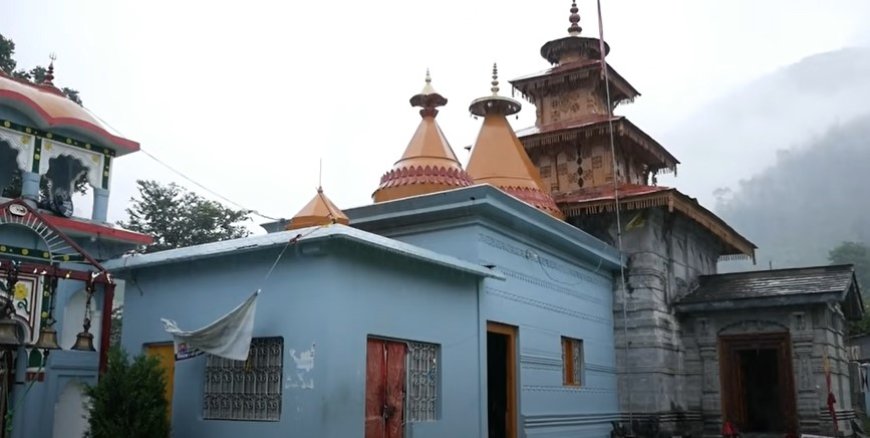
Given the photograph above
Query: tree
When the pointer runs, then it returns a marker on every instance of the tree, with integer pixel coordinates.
(36, 74)
(857, 254)
(177, 218)
(7, 49)
(129, 400)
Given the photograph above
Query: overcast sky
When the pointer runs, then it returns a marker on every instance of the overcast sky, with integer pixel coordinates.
(247, 97)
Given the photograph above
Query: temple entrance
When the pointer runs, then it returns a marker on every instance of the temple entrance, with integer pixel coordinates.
(501, 380)
(758, 383)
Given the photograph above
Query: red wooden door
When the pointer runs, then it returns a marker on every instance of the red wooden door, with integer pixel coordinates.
(385, 389)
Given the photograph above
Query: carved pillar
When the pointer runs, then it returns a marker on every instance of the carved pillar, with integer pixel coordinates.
(101, 204)
(30, 187)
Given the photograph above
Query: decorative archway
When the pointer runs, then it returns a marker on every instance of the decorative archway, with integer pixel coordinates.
(47, 264)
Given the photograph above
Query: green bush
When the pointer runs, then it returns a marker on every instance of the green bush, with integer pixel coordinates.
(128, 401)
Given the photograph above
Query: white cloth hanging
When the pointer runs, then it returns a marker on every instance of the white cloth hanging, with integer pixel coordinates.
(228, 337)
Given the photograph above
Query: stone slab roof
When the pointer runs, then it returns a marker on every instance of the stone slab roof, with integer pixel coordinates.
(778, 287)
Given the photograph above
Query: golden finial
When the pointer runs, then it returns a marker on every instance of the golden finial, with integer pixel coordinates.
(575, 28)
(494, 82)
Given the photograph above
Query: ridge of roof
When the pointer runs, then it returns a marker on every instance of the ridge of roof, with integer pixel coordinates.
(310, 234)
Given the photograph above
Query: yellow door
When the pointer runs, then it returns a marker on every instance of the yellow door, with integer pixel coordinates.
(165, 353)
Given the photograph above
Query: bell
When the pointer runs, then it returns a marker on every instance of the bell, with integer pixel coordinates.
(47, 340)
(10, 333)
(84, 342)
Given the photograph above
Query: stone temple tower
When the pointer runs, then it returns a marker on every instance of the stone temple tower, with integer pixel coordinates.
(668, 238)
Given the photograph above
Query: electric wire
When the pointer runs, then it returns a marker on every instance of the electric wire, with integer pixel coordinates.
(181, 174)
(623, 286)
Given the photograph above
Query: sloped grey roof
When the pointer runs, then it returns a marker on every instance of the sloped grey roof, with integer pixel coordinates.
(337, 231)
(773, 288)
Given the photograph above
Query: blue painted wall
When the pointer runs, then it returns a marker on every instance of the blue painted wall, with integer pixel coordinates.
(549, 293)
(332, 303)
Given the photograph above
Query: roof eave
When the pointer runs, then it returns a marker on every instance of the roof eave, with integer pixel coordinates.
(756, 302)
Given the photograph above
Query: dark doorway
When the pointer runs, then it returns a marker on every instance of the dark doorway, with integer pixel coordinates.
(761, 390)
(501, 378)
(757, 382)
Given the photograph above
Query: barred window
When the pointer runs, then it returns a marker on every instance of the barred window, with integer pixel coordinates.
(422, 381)
(246, 390)
(572, 361)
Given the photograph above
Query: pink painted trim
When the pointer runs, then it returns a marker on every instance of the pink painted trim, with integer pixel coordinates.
(97, 229)
(59, 122)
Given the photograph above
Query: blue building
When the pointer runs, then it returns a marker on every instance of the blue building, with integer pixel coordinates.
(54, 288)
(481, 315)
(443, 309)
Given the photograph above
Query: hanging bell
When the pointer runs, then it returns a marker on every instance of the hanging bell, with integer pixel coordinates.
(84, 342)
(47, 339)
(10, 333)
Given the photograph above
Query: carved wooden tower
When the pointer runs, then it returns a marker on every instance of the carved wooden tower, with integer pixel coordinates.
(669, 240)
(570, 140)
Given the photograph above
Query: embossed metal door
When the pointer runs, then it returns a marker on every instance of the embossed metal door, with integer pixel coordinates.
(385, 389)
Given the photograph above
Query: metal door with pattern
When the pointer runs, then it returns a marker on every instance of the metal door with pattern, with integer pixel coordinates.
(385, 388)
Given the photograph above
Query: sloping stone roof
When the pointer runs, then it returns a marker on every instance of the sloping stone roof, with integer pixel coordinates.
(775, 288)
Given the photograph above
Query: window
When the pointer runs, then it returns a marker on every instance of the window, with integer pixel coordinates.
(422, 381)
(246, 390)
(572, 361)
(546, 170)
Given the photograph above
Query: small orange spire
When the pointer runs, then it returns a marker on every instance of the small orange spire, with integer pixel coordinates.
(498, 157)
(319, 211)
(428, 164)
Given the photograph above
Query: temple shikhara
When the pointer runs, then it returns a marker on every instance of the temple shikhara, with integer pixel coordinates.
(548, 288)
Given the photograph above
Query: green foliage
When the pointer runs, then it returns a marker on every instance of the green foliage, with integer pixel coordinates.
(7, 49)
(177, 218)
(35, 75)
(857, 254)
(129, 399)
(809, 201)
(117, 326)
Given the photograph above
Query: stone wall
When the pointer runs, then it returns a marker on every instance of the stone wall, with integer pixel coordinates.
(667, 252)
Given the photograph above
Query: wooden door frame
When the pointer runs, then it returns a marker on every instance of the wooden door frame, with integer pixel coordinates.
(730, 374)
(511, 363)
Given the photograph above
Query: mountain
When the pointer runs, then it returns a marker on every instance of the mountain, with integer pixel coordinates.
(786, 159)
(740, 136)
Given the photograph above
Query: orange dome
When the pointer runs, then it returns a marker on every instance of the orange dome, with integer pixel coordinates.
(428, 164)
(498, 156)
(319, 211)
(49, 108)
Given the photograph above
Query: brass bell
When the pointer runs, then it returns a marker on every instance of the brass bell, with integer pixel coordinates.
(84, 342)
(47, 339)
(11, 334)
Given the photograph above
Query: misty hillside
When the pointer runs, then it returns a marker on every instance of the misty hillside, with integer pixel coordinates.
(814, 197)
(739, 136)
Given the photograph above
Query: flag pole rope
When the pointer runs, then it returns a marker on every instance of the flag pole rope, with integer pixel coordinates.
(624, 291)
(292, 241)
